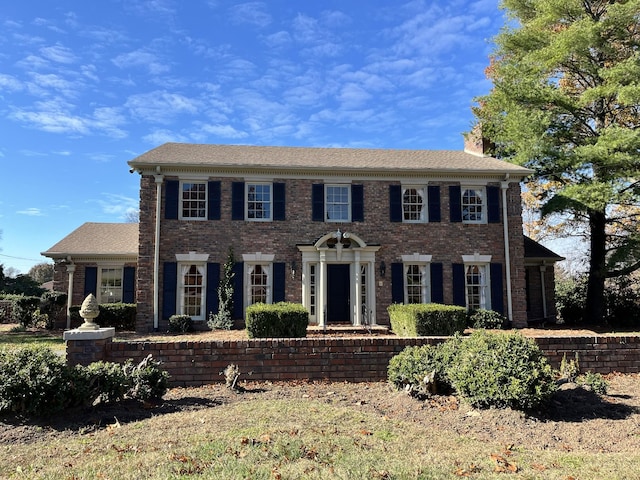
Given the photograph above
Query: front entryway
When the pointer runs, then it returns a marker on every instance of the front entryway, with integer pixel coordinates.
(338, 293)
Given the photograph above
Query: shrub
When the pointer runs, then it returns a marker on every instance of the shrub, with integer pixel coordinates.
(570, 299)
(427, 319)
(24, 310)
(595, 382)
(147, 380)
(121, 316)
(180, 324)
(35, 380)
(501, 370)
(107, 382)
(408, 369)
(277, 321)
(488, 319)
(53, 306)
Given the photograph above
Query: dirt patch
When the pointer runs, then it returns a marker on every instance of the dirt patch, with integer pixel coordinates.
(576, 419)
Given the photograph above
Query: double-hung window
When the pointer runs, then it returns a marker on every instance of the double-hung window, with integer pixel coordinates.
(259, 201)
(337, 203)
(416, 278)
(473, 205)
(110, 283)
(192, 289)
(259, 284)
(413, 204)
(193, 204)
(477, 286)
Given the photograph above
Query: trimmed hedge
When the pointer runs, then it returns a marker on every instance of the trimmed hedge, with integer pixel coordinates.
(122, 316)
(277, 320)
(424, 319)
(489, 319)
(180, 324)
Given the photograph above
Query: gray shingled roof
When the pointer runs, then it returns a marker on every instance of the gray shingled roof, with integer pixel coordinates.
(534, 250)
(303, 158)
(99, 239)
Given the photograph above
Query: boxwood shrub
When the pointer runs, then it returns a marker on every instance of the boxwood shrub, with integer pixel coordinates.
(423, 319)
(277, 320)
(488, 319)
(122, 316)
(408, 369)
(493, 369)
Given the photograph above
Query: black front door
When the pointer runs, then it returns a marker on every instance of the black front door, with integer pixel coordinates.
(338, 293)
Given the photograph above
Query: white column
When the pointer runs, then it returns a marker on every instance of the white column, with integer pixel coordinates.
(156, 254)
(322, 291)
(358, 278)
(507, 255)
(71, 268)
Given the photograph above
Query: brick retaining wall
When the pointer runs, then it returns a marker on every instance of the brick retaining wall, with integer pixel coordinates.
(193, 363)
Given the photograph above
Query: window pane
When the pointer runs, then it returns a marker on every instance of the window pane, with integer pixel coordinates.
(110, 285)
(194, 200)
(412, 204)
(337, 203)
(475, 279)
(414, 284)
(471, 205)
(259, 287)
(259, 201)
(192, 282)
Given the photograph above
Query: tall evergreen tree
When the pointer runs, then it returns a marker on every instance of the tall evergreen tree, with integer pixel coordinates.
(566, 103)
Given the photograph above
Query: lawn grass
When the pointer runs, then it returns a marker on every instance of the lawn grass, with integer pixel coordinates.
(292, 439)
(10, 336)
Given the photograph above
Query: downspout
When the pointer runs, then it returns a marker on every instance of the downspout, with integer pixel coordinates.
(507, 255)
(156, 251)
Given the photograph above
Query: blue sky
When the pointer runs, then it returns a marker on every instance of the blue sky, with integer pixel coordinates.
(87, 86)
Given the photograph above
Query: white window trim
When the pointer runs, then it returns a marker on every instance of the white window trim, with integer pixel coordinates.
(484, 262)
(250, 260)
(246, 200)
(424, 214)
(422, 261)
(480, 190)
(326, 203)
(99, 280)
(180, 199)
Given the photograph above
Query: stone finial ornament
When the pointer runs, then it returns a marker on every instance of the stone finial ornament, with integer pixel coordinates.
(89, 311)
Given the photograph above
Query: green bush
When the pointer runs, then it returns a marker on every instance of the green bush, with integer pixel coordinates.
(488, 319)
(107, 381)
(147, 380)
(121, 316)
(501, 370)
(180, 324)
(408, 369)
(24, 310)
(425, 319)
(277, 321)
(594, 381)
(53, 306)
(35, 380)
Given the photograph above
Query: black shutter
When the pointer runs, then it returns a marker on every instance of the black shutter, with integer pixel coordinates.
(237, 201)
(433, 197)
(90, 280)
(493, 204)
(214, 201)
(317, 202)
(128, 285)
(459, 297)
(397, 283)
(437, 289)
(455, 203)
(213, 280)
(395, 203)
(279, 201)
(497, 303)
(357, 203)
(279, 272)
(171, 199)
(238, 290)
(169, 289)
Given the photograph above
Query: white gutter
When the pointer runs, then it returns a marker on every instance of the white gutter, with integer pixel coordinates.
(507, 256)
(156, 252)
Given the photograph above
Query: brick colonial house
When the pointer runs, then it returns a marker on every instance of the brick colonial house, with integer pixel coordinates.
(346, 232)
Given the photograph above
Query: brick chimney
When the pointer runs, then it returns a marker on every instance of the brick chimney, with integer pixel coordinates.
(475, 143)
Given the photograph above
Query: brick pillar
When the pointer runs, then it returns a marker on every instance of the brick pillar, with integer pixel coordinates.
(85, 347)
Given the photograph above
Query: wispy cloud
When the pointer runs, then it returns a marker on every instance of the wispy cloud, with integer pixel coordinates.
(160, 106)
(58, 54)
(31, 212)
(141, 59)
(118, 205)
(253, 13)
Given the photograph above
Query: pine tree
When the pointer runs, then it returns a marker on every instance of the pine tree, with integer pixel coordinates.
(566, 103)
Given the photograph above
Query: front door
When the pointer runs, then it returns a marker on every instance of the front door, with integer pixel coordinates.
(338, 293)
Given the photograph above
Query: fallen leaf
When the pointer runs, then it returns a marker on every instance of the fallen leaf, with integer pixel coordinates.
(537, 466)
